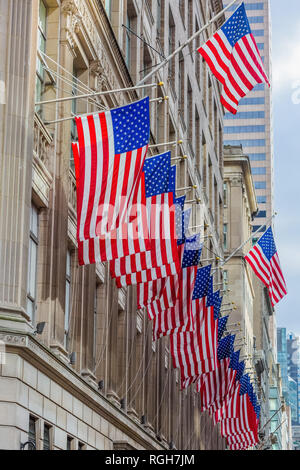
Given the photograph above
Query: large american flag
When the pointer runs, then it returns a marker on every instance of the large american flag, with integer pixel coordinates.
(130, 237)
(233, 57)
(112, 147)
(180, 317)
(263, 259)
(161, 217)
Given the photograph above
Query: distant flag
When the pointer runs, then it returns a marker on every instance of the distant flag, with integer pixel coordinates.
(233, 57)
(263, 259)
(195, 352)
(179, 317)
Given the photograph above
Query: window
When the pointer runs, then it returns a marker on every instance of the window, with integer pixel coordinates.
(256, 227)
(261, 214)
(32, 430)
(252, 101)
(247, 143)
(225, 194)
(256, 19)
(70, 441)
(259, 171)
(32, 263)
(81, 446)
(262, 199)
(40, 74)
(67, 299)
(260, 185)
(258, 32)
(127, 40)
(243, 129)
(225, 236)
(107, 5)
(246, 115)
(257, 157)
(47, 437)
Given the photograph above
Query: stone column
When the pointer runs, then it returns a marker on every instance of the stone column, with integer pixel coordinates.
(18, 36)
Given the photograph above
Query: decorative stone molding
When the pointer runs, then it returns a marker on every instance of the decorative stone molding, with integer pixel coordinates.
(122, 297)
(90, 378)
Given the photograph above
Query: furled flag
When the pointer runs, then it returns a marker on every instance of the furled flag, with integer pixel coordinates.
(233, 57)
(160, 187)
(112, 150)
(179, 317)
(263, 259)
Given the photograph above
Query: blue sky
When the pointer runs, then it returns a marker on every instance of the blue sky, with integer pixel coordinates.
(286, 121)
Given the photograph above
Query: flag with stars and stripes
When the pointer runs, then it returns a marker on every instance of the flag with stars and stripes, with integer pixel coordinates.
(112, 150)
(169, 293)
(130, 237)
(195, 352)
(263, 259)
(237, 411)
(160, 186)
(233, 57)
(179, 317)
(157, 292)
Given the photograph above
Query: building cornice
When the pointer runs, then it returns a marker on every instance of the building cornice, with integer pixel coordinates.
(41, 357)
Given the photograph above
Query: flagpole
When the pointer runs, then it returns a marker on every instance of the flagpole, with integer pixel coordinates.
(179, 49)
(245, 242)
(98, 93)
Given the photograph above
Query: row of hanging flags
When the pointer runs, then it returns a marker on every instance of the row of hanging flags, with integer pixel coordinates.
(129, 215)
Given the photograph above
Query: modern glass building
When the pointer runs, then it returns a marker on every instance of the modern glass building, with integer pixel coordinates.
(293, 353)
(252, 125)
(283, 360)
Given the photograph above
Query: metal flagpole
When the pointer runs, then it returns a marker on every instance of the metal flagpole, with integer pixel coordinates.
(100, 93)
(70, 118)
(179, 49)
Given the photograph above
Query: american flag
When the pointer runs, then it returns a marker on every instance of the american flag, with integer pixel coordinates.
(151, 291)
(112, 150)
(263, 259)
(168, 295)
(195, 352)
(159, 184)
(179, 317)
(131, 237)
(238, 405)
(214, 385)
(233, 57)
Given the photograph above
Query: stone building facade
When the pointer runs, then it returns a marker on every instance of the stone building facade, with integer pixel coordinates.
(93, 379)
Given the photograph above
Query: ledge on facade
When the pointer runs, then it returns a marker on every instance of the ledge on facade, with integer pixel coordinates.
(52, 365)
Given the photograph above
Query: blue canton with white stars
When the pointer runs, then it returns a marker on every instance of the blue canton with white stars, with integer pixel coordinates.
(192, 251)
(222, 327)
(131, 126)
(234, 361)
(157, 170)
(210, 293)
(240, 371)
(266, 242)
(217, 306)
(245, 383)
(201, 283)
(225, 347)
(185, 221)
(179, 222)
(172, 180)
(237, 26)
